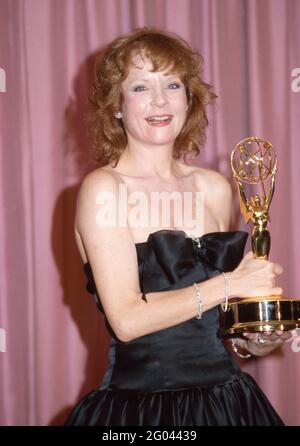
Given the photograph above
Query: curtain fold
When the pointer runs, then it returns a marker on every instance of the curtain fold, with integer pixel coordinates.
(56, 343)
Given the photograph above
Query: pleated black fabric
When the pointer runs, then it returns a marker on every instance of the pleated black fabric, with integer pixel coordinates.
(182, 375)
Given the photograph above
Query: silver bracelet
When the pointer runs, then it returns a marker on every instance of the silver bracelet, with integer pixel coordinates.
(225, 305)
(240, 355)
(199, 300)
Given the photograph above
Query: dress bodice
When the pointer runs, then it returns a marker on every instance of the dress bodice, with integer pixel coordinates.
(182, 375)
(189, 353)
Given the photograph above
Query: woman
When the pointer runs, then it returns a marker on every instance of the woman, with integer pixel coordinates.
(160, 276)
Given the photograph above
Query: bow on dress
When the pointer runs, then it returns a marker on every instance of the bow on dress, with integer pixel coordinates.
(171, 260)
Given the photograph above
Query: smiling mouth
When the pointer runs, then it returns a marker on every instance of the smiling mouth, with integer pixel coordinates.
(159, 120)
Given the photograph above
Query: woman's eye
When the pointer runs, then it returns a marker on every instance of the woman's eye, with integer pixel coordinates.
(139, 88)
(174, 85)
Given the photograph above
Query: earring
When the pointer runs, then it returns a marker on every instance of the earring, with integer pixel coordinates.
(118, 115)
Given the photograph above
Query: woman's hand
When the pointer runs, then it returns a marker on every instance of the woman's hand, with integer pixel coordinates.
(260, 344)
(254, 277)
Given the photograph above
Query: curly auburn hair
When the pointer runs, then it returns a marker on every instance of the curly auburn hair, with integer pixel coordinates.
(165, 51)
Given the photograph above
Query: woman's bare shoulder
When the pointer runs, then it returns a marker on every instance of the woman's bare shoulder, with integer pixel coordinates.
(207, 178)
(99, 177)
(217, 192)
(95, 183)
(214, 180)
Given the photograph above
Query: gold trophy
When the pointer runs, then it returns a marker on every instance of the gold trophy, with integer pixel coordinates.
(254, 162)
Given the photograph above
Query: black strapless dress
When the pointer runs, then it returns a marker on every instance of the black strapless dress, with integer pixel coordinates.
(182, 375)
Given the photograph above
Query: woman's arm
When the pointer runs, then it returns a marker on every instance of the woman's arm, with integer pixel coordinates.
(112, 255)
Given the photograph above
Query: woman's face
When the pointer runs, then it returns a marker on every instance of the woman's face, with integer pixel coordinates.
(154, 105)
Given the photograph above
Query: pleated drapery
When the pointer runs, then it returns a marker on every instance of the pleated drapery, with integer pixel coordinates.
(56, 343)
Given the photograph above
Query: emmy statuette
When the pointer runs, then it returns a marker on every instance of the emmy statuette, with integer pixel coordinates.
(254, 162)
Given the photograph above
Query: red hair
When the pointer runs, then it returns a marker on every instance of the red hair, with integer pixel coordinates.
(165, 51)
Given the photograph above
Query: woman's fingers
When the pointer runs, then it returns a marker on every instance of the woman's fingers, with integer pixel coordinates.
(277, 291)
(278, 269)
(250, 336)
(256, 277)
(269, 336)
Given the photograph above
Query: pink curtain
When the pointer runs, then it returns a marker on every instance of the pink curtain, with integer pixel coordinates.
(55, 345)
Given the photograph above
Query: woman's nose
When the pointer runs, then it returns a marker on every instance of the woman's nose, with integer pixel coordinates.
(159, 97)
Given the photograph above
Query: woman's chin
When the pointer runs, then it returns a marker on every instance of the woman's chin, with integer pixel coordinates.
(162, 140)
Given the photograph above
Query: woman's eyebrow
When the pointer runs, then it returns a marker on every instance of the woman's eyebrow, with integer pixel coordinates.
(148, 79)
(139, 80)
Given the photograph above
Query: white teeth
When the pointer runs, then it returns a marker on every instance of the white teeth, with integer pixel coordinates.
(159, 118)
